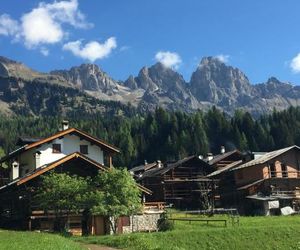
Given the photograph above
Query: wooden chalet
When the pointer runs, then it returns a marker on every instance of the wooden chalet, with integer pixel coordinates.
(69, 151)
(138, 171)
(224, 158)
(222, 175)
(182, 183)
(268, 183)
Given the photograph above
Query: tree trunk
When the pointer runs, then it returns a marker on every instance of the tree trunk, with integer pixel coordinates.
(114, 224)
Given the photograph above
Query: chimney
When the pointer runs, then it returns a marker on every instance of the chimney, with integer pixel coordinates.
(65, 124)
(222, 150)
(37, 156)
(209, 156)
(159, 165)
(200, 157)
(15, 170)
(145, 162)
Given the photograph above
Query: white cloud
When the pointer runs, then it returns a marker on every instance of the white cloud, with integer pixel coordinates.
(168, 59)
(93, 50)
(44, 51)
(39, 28)
(8, 26)
(43, 25)
(295, 64)
(124, 48)
(67, 12)
(223, 58)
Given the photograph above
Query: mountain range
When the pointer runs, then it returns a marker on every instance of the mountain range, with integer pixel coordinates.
(213, 83)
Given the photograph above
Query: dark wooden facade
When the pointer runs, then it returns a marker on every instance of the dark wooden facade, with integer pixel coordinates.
(19, 211)
(222, 160)
(182, 183)
(273, 176)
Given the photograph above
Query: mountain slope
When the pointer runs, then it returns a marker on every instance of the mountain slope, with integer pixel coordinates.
(229, 89)
(10, 68)
(34, 98)
(163, 87)
(212, 83)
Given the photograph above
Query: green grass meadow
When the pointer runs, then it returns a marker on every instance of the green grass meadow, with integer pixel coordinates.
(13, 240)
(253, 233)
(264, 233)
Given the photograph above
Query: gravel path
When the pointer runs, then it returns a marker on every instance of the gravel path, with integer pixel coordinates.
(97, 247)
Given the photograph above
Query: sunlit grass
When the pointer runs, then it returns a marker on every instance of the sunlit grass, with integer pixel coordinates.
(12, 240)
(252, 233)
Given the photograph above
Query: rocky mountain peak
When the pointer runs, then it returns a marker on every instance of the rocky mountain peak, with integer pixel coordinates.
(159, 77)
(131, 83)
(210, 61)
(7, 60)
(273, 80)
(216, 82)
(159, 67)
(212, 83)
(11, 68)
(88, 77)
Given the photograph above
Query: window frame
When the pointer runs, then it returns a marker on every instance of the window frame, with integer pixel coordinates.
(56, 150)
(86, 149)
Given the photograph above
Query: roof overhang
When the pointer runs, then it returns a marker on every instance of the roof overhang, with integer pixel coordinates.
(79, 133)
(265, 158)
(64, 160)
(55, 164)
(102, 144)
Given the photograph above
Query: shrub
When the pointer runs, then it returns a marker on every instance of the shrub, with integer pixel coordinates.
(164, 224)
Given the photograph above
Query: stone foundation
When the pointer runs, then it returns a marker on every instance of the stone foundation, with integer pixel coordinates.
(142, 223)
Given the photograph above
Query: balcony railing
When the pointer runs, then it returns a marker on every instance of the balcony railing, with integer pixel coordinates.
(283, 174)
(154, 205)
(291, 193)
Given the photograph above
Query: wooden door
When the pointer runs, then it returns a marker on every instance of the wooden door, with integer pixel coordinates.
(99, 225)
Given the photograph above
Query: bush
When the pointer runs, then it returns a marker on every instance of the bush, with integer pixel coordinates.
(164, 224)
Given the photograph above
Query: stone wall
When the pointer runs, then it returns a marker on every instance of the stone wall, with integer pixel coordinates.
(142, 223)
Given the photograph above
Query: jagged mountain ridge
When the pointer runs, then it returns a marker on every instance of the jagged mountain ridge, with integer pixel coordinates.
(212, 83)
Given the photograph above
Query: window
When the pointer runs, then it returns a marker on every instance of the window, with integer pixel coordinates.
(84, 149)
(124, 221)
(284, 170)
(56, 148)
(272, 170)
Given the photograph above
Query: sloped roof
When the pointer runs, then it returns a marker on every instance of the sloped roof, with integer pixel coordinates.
(47, 167)
(261, 198)
(225, 169)
(144, 167)
(169, 166)
(13, 153)
(79, 133)
(59, 134)
(23, 140)
(57, 163)
(266, 157)
(221, 157)
(251, 184)
(37, 172)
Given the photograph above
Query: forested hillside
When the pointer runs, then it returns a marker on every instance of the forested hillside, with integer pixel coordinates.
(40, 98)
(167, 135)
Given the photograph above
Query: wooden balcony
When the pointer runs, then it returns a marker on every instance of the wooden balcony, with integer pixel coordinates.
(288, 193)
(156, 205)
(283, 174)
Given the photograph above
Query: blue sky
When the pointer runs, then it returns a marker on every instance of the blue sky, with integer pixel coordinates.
(259, 37)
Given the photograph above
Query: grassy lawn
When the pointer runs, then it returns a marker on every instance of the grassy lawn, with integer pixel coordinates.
(35, 241)
(253, 233)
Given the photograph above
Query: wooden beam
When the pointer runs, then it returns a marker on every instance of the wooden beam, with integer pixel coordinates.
(110, 161)
(88, 137)
(58, 163)
(29, 224)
